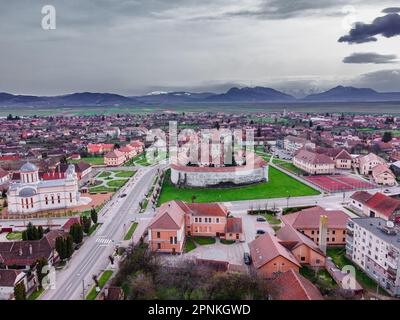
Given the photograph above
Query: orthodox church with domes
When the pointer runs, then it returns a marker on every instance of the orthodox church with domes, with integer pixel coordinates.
(31, 194)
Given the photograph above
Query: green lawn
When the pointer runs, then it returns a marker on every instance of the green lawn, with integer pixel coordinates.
(227, 242)
(139, 160)
(13, 236)
(130, 232)
(104, 174)
(90, 160)
(116, 183)
(291, 167)
(124, 174)
(280, 185)
(93, 228)
(272, 219)
(100, 189)
(339, 258)
(105, 276)
(189, 245)
(321, 278)
(35, 294)
(204, 240)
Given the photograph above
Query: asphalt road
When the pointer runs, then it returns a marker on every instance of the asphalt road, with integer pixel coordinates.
(92, 257)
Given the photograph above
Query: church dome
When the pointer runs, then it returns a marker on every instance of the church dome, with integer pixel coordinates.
(28, 167)
(27, 192)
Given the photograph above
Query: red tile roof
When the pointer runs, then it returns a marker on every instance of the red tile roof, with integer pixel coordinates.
(361, 196)
(383, 204)
(290, 285)
(310, 218)
(312, 157)
(8, 277)
(114, 154)
(266, 248)
(233, 225)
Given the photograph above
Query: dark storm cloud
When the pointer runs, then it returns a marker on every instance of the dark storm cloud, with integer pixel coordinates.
(391, 10)
(387, 26)
(370, 57)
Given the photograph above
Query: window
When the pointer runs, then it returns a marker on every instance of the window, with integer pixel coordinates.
(333, 239)
(312, 231)
(46, 199)
(199, 219)
(31, 202)
(158, 246)
(52, 199)
(70, 197)
(58, 198)
(333, 231)
(158, 235)
(303, 258)
(217, 220)
(195, 220)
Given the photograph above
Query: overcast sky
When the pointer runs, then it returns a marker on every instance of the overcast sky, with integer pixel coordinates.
(137, 46)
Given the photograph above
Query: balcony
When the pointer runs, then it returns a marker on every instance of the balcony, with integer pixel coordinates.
(392, 272)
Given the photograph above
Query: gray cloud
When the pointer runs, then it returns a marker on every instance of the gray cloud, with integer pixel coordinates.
(387, 26)
(370, 57)
(382, 80)
(391, 10)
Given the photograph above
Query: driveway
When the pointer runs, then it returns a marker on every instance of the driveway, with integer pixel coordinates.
(232, 253)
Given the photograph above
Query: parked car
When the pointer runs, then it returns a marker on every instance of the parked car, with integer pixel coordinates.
(261, 219)
(260, 231)
(123, 195)
(386, 191)
(247, 258)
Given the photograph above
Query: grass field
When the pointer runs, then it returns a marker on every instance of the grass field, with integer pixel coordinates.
(279, 186)
(13, 236)
(130, 232)
(105, 276)
(189, 245)
(204, 240)
(91, 160)
(124, 174)
(35, 294)
(272, 219)
(290, 167)
(339, 258)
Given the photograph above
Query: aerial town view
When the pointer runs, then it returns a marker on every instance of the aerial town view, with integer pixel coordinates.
(197, 151)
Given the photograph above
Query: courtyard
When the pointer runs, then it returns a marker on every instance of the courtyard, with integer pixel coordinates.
(110, 181)
(280, 185)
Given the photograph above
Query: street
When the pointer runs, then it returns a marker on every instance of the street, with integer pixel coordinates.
(92, 257)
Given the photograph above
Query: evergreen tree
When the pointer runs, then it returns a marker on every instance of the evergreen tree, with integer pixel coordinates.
(60, 248)
(387, 136)
(40, 264)
(76, 232)
(93, 215)
(19, 291)
(69, 246)
(40, 232)
(86, 223)
(24, 235)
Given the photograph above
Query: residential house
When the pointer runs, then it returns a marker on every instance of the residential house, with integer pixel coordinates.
(313, 163)
(383, 175)
(365, 164)
(270, 257)
(114, 158)
(291, 285)
(293, 143)
(176, 219)
(8, 280)
(303, 248)
(24, 254)
(100, 148)
(378, 205)
(307, 222)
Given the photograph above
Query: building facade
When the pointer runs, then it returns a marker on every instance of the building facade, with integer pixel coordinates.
(374, 245)
(32, 195)
(313, 163)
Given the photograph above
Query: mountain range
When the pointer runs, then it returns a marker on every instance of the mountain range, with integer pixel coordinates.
(233, 95)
